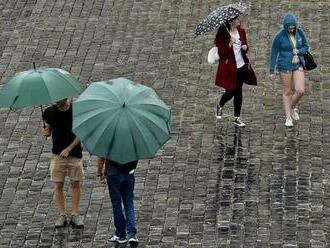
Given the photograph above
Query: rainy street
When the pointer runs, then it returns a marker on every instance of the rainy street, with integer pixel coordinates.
(213, 184)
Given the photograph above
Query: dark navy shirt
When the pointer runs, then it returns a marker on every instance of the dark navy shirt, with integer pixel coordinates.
(114, 168)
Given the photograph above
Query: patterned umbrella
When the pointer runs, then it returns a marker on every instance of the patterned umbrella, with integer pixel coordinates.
(219, 16)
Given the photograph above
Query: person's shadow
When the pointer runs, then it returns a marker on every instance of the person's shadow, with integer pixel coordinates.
(239, 150)
(236, 152)
(116, 245)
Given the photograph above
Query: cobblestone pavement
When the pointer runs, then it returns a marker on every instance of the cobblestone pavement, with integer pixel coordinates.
(212, 185)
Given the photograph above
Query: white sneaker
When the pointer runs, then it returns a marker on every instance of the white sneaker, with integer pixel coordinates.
(288, 122)
(295, 115)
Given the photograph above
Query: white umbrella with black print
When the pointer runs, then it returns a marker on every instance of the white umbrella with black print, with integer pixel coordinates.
(219, 16)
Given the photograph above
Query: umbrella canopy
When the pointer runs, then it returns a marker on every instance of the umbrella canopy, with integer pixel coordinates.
(121, 120)
(38, 86)
(219, 16)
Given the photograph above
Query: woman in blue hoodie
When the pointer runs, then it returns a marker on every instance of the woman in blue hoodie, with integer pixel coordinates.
(286, 58)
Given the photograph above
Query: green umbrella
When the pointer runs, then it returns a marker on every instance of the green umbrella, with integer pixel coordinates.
(121, 120)
(38, 86)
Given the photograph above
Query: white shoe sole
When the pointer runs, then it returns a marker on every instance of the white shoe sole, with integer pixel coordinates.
(134, 243)
(288, 124)
(239, 125)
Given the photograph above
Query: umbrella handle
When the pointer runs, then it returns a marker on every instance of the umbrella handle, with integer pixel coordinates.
(42, 115)
(227, 30)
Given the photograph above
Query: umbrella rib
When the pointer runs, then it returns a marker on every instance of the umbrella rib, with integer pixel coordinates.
(111, 139)
(133, 140)
(154, 106)
(11, 105)
(90, 135)
(152, 121)
(151, 104)
(139, 129)
(46, 86)
(68, 78)
(109, 90)
(93, 115)
(160, 143)
(153, 134)
(138, 93)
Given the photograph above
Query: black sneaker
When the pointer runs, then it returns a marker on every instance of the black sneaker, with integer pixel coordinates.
(133, 241)
(238, 122)
(119, 240)
(61, 221)
(218, 111)
(76, 221)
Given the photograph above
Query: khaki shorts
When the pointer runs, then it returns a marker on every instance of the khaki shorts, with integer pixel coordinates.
(62, 167)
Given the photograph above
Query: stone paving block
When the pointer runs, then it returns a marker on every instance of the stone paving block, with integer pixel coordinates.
(211, 185)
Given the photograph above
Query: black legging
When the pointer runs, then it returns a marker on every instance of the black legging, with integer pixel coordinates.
(237, 93)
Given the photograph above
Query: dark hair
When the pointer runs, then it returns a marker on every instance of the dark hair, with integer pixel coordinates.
(222, 30)
(227, 24)
(289, 25)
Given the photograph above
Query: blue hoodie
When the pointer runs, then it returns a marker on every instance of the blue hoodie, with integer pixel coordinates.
(281, 53)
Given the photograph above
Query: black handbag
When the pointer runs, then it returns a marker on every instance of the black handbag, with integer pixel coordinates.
(309, 62)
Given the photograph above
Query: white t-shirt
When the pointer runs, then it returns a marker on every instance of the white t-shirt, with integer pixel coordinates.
(237, 46)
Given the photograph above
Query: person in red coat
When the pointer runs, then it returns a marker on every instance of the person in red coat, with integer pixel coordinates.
(234, 67)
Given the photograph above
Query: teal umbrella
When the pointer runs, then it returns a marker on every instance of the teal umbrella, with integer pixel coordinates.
(121, 120)
(38, 86)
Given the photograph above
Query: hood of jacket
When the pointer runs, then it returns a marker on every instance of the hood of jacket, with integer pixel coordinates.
(289, 19)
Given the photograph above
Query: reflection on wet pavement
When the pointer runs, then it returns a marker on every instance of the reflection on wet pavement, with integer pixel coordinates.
(234, 180)
(212, 185)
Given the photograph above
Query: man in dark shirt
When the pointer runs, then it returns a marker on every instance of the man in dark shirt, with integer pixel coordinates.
(66, 160)
(120, 180)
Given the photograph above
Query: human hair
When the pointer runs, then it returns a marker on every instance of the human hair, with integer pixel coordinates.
(294, 30)
(222, 30)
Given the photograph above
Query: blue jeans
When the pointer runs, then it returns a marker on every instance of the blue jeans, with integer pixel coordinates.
(121, 189)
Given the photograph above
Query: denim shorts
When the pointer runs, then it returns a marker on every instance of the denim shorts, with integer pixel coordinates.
(294, 67)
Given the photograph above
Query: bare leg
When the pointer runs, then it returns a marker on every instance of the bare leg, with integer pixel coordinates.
(286, 79)
(75, 197)
(59, 197)
(299, 86)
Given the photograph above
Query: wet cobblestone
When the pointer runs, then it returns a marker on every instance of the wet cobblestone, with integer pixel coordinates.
(212, 185)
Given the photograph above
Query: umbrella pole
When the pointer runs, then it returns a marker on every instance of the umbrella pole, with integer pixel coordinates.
(42, 115)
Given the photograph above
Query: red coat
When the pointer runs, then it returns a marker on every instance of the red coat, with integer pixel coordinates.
(226, 73)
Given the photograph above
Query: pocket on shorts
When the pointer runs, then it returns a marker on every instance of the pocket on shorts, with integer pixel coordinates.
(75, 169)
(57, 169)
